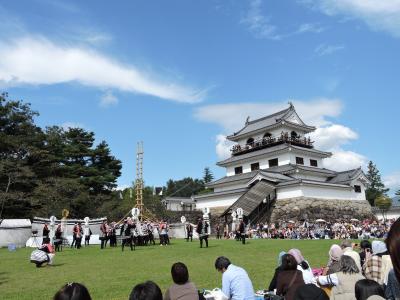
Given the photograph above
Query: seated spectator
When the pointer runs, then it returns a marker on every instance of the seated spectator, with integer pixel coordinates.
(378, 265)
(73, 291)
(347, 247)
(310, 292)
(392, 289)
(182, 289)
(366, 247)
(303, 266)
(146, 291)
(344, 281)
(289, 279)
(365, 288)
(236, 284)
(272, 285)
(335, 253)
(393, 246)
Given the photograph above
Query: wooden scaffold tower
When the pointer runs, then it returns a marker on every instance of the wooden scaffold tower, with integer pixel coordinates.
(139, 177)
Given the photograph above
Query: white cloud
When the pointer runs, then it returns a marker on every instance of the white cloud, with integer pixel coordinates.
(383, 15)
(322, 49)
(342, 160)
(257, 23)
(332, 136)
(328, 136)
(223, 147)
(39, 61)
(261, 27)
(310, 27)
(108, 99)
(392, 181)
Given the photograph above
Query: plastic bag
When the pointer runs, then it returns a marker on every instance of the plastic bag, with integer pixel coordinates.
(215, 294)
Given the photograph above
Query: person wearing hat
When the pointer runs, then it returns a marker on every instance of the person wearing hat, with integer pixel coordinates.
(378, 264)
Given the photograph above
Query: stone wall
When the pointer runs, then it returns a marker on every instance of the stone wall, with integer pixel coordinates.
(311, 209)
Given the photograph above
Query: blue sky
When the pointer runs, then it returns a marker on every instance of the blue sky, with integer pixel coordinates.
(180, 75)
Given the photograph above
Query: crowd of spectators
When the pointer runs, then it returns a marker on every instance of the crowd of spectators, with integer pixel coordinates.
(340, 230)
(368, 271)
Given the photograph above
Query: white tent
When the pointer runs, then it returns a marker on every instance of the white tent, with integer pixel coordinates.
(15, 231)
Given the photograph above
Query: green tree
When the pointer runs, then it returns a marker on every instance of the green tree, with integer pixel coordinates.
(208, 175)
(42, 172)
(383, 203)
(185, 187)
(20, 142)
(376, 187)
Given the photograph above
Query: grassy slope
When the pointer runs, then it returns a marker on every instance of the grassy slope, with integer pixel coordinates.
(111, 274)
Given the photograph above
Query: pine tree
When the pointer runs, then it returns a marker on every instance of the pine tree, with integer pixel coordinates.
(208, 175)
(376, 187)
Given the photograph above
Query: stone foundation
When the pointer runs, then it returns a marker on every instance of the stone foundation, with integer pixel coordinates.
(314, 208)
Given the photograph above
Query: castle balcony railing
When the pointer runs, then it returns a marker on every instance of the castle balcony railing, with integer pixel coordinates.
(272, 141)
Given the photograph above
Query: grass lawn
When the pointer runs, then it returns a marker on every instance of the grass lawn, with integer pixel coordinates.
(111, 274)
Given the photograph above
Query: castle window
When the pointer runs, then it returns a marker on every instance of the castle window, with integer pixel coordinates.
(267, 135)
(250, 141)
(273, 162)
(313, 163)
(357, 189)
(299, 161)
(255, 166)
(238, 170)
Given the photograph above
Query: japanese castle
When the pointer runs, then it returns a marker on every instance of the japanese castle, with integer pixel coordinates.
(275, 173)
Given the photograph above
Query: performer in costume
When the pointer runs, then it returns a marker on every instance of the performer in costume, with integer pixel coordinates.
(242, 231)
(202, 230)
(150, 229)
(163, 233)
(127, 230)
(78, 235)
(218, 231)
(103, 234)
(73, 244)
(87, 232)
(189, 232)
(58, 239)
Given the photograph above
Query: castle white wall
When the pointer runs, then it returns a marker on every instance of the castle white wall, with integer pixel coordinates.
(212, 202)
(283, 159)
(321, 192)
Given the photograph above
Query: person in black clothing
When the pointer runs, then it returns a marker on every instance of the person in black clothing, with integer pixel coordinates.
(202, 230)
(151, 235)
(218, 231)
(46, 231)
(189, 232)
(58, 238)
(127, 230)
(242, 231)
(365, 246)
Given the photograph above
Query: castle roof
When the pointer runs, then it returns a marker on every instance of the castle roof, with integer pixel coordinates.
(287, 116)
